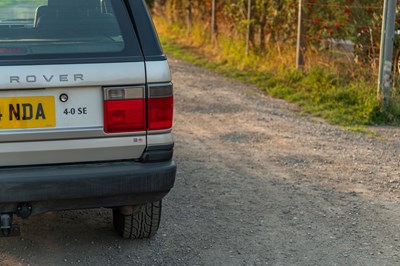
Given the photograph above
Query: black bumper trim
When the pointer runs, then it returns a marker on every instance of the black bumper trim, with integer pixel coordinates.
(85, 181)
(158, 153)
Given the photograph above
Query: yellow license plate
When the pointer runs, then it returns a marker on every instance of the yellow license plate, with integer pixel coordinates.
(27, 112)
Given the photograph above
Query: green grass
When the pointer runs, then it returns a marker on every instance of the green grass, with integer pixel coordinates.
(350, 104)
(337, 90)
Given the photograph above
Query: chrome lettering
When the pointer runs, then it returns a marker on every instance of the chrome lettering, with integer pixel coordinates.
(31, 79)
(64, 78)
(78, 76)
(14, 79)
(47, 78)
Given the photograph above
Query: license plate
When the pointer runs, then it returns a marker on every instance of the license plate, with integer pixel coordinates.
(27, 112)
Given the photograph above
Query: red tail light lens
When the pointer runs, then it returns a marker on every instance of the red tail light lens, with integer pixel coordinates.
(124, 115)
(160, 107)
(161, 113)
(125, 108)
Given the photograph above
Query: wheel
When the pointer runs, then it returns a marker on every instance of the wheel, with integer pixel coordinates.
(142, 223)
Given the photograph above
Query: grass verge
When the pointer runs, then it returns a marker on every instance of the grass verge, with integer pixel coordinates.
(332, 95)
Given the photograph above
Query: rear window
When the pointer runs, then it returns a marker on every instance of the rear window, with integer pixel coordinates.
(49, 29)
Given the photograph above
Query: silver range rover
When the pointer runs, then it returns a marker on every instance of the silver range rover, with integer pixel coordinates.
(86, 110)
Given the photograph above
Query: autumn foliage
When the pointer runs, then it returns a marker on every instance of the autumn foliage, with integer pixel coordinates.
(274, 21)
(259, 47)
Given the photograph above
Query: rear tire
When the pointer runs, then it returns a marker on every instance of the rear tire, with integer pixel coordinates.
(141, 224)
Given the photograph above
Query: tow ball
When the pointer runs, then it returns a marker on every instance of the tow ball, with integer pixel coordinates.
(7, 227)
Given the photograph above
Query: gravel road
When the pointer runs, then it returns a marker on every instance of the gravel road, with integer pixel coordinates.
(259, 183)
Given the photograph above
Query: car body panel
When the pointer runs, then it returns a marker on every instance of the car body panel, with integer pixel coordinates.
(78, 120)
(68, 151)
(158, 71)
(71, 75)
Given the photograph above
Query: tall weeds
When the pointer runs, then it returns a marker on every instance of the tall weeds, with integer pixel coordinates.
(338, 90)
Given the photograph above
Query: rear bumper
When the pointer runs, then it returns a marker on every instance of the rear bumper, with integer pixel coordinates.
(76, 186)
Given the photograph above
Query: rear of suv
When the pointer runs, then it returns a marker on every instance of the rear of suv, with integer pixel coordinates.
(86, 109)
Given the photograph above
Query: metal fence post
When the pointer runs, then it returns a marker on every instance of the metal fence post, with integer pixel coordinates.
(386, 52)
(213, 21)
(248, 27)
(301, 38)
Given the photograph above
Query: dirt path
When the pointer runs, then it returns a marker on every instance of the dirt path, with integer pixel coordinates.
(258, 184)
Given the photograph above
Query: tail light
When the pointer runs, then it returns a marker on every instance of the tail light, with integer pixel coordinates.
(160, 107)
(124, 109)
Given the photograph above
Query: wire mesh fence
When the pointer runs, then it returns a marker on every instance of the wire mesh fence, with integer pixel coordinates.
(345, 31)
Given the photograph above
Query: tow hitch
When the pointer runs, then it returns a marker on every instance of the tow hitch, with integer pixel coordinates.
(6, 226)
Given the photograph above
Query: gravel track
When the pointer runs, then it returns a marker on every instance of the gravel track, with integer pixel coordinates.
(259, 183)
